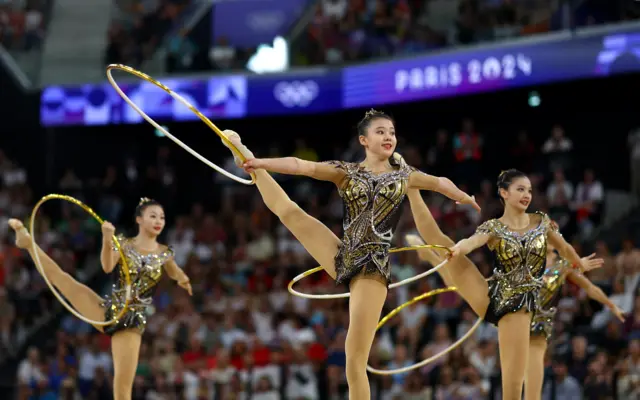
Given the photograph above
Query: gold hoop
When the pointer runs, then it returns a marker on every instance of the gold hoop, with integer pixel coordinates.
(392, 286)
(431, 359)
(194, 110)
(36, 258)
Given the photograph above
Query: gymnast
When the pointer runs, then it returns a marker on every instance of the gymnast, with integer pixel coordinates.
(508, 300)
(146, 258)
(372, 192)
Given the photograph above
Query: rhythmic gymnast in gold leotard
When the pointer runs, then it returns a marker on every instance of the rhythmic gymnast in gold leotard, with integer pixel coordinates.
(372, 192)
(146, 259)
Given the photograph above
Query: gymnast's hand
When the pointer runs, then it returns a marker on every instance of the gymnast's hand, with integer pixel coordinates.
(588, 263)
(186, 285)
(458, 250)
(108, 229)
(615, 310)
(471, 200)
(251, 165)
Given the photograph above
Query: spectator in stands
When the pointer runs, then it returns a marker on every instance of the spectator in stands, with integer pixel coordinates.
(222, 55)
(557, 150)
(559, 196)
(634, 147)
(33, 28)
(468, 151)
(588, 203)
(563, 386)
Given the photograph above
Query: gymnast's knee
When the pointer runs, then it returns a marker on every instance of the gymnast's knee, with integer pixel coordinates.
(121, 393)
(287, 211)
(356, 366)
(122, 388)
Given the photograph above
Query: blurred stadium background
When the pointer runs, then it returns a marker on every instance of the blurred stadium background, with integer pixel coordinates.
(549, 87)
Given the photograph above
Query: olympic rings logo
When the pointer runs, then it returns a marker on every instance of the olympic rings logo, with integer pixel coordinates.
(296, 93)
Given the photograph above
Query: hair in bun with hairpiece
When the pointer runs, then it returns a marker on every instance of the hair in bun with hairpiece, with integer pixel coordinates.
(144, 203)
(506, 178)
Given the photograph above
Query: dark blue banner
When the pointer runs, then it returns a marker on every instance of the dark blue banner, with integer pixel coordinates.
(489, 69)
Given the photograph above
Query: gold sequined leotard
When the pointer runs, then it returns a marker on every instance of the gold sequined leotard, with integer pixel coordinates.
(520, 260)
(145, 271)
(371, 204)
(554, 277)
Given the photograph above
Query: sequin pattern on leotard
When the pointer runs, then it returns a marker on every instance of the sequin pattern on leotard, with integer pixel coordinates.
(552, 280)
(371, 204)
(145, 271)
(519, 264)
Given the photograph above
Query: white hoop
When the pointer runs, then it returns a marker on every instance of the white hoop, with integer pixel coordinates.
(430, 359)
(177, 141)
(347, 294)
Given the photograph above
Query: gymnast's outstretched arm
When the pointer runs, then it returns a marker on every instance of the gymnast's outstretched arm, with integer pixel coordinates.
(296, 166)
(567, 252)
(595, 292)
(422, 181)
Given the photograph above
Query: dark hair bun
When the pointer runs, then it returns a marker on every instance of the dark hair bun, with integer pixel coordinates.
(506, 178)
(144, 203)
(370, 116)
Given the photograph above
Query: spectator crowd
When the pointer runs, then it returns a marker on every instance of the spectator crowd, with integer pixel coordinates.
(348, 30)
(138, 28)
(355, 30)
(22, 24)
(243, 336)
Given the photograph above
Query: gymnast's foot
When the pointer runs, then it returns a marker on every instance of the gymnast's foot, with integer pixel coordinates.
(234, 138)
(23, 238)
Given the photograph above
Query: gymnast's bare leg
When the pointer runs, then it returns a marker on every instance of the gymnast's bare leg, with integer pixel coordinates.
(321, 243)
(535, 370)
(460, 271)
(81, 297)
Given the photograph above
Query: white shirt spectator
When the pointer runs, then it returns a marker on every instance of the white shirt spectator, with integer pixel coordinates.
(182, 245)
(262, 248)
(32, 20)
(569, 388)
(231, 336)
(414, 315)
(222, 57)
(554, 146)
(90, 361)
(28, 373)
(592, 192)
(263, 322)
(15, 176)
(334, 9)
(302, 382)
(565, 186)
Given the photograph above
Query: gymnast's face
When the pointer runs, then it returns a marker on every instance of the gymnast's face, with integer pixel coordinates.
(519, 194)
(151, 221)
(380, 138)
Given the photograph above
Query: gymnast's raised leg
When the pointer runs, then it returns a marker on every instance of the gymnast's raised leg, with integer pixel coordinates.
(81, 297)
